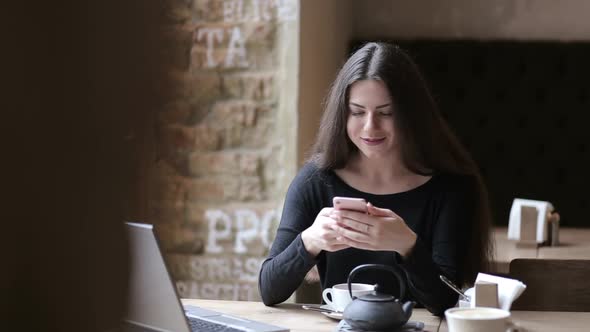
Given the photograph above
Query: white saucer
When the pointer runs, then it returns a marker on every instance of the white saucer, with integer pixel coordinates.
(333, 315)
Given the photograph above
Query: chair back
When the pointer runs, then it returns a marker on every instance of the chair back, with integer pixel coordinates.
(552, 284)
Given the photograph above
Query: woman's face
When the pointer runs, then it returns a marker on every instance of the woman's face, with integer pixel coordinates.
(370, 118)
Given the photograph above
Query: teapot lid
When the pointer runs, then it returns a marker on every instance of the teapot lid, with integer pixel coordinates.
(377, 297)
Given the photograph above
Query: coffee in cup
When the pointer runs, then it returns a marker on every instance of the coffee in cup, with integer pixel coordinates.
(479, 319)
(338, 296)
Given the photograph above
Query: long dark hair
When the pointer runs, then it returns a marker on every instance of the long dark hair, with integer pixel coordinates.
(427, 144)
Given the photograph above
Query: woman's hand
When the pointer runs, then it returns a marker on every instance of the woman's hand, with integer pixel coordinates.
(321, 235)
(380, 229)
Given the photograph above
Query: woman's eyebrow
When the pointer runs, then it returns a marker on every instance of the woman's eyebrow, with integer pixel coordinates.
(363, 107)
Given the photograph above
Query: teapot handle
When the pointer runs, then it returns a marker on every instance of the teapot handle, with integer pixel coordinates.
(402, 285)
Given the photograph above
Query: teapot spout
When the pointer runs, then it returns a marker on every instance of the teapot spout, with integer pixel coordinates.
(407, 308)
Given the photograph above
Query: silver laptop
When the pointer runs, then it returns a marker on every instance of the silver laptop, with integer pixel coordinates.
(153, 302)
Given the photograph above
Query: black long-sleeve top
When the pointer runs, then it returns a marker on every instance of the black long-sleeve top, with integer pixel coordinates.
(439, 212)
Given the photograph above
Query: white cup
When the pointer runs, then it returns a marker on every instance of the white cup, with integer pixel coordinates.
(479, 319)
(339, 296)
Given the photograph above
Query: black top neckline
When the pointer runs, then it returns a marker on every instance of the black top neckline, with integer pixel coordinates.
(416, 189)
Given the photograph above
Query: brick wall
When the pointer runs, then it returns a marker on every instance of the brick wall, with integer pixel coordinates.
(224, 140)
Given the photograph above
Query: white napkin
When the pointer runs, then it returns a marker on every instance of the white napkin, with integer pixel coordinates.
(508, 289)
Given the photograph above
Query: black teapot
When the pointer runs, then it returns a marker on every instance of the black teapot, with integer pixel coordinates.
(377, 311)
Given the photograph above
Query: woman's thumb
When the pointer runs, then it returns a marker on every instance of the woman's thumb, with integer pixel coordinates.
(373, 210)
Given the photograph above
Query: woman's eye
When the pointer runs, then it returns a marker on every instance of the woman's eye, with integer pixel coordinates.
(356, 113)
(386, 113)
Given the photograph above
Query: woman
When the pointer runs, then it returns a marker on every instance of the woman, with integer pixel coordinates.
(382, 138)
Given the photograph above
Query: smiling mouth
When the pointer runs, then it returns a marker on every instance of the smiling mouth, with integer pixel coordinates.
(373, 141)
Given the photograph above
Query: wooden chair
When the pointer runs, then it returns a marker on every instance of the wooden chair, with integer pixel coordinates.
(552, 284)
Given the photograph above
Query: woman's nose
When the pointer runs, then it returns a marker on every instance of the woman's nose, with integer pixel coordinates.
(371, 122)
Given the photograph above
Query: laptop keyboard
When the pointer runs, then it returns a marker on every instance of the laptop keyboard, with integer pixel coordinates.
(198, 325)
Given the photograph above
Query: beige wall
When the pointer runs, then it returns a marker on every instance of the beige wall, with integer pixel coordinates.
(288, 89)
(500, 19)
(325, 33)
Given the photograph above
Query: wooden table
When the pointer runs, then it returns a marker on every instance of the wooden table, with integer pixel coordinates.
(574, 244)
(291, 315)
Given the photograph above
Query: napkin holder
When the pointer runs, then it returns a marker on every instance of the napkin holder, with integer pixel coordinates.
(486, 294)
(503, 290)
(533, 223)
(528, 227)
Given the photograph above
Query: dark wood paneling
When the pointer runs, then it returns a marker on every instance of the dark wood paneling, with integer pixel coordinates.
(522, 110)
(552, 285)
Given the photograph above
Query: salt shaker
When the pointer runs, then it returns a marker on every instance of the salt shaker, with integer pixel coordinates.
(553, 228)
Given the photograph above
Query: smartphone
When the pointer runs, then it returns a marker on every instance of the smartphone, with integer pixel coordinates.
(348, 203)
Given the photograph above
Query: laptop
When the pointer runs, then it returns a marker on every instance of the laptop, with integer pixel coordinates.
(153, 302)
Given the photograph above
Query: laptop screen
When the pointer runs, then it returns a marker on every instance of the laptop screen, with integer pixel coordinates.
(153, 301)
